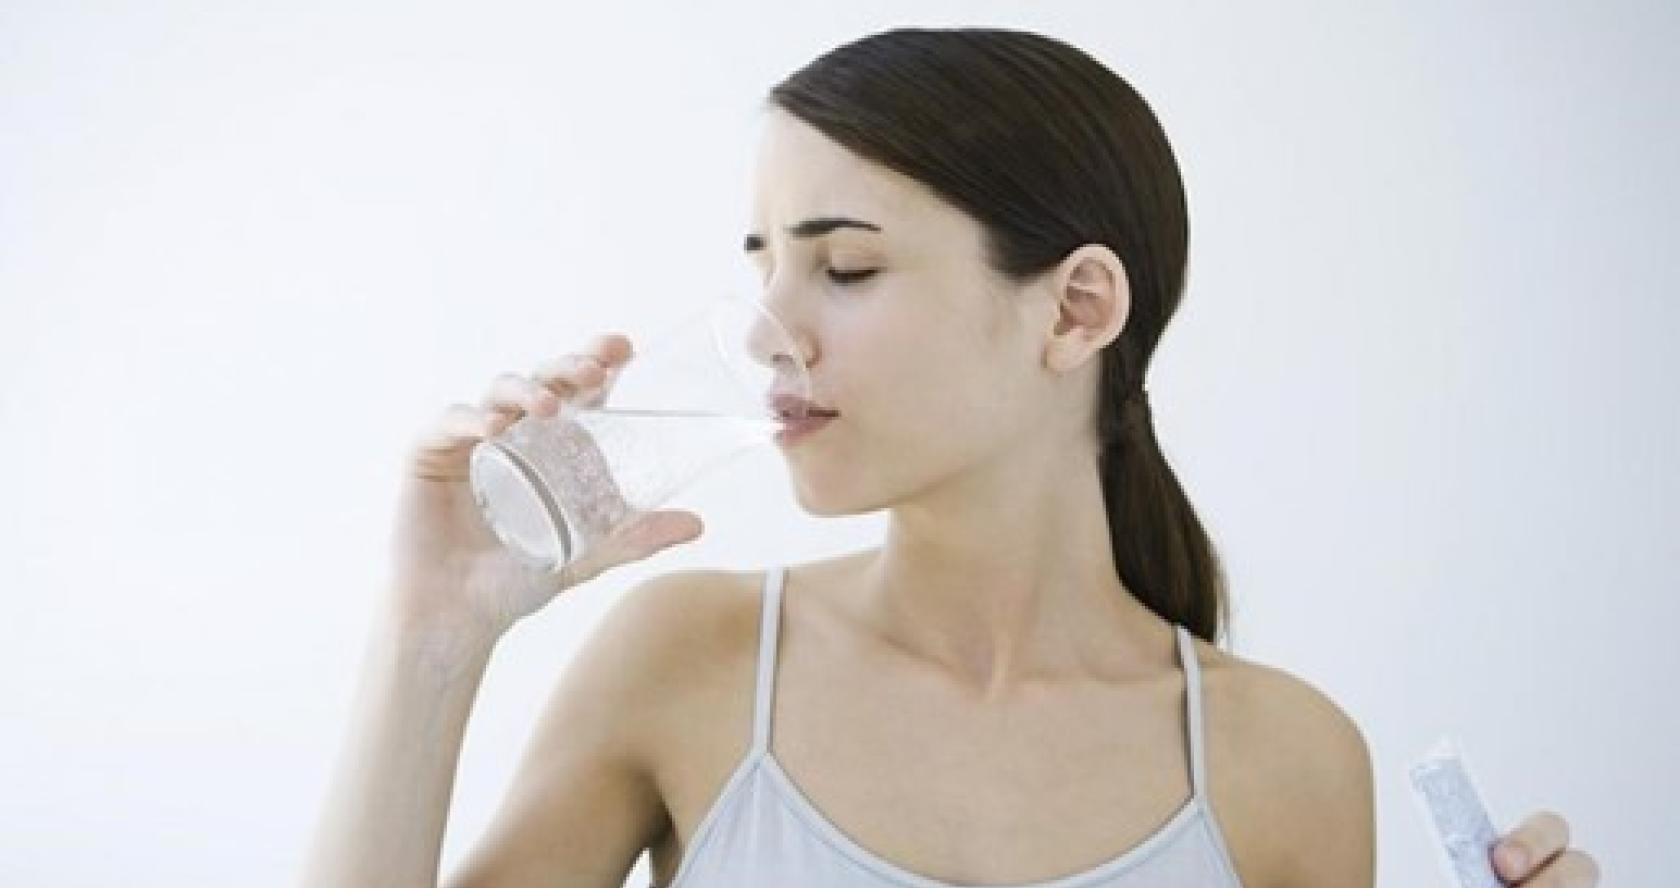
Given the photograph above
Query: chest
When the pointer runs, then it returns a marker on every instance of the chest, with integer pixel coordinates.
(1055, 782)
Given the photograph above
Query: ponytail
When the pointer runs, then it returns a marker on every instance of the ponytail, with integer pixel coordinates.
(1162, 553)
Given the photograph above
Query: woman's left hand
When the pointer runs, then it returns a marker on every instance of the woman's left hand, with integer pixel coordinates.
(1537, 855)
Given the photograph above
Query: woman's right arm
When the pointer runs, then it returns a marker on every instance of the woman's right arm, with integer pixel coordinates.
(389, 795)
(582, 805)
(455, 590)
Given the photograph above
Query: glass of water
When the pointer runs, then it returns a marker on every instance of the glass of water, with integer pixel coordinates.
(718, 384)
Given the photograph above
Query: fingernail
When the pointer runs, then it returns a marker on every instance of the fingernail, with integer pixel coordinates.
(1516, 862)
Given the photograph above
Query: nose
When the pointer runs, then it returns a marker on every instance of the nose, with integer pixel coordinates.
(777, 342)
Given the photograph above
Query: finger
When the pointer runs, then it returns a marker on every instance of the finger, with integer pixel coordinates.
(657, 531)
(611, 349)
(1571, 869)
(518, 395)
(567, 375)
(640, 537)
(1528, 847)
(461, 425)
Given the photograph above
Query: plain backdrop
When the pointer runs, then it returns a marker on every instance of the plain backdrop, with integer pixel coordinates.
(1421, 389)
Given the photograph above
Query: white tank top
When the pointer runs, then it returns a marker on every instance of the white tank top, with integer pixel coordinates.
(763, 831)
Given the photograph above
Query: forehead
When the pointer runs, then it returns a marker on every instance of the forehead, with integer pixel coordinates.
(801, 173)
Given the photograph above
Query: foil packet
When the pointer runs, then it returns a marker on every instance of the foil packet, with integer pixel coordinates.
(1448, 799)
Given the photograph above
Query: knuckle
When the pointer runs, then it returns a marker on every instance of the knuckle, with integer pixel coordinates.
(610, 346)
(446, 430)
(509, 384)
(507, 391)
(562, 368)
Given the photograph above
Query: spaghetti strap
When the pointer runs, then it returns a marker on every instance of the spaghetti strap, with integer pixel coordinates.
(764, 688)
(762, 829)
(1193, 707)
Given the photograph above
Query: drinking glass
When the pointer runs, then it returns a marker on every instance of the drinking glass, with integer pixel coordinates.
(716, 385)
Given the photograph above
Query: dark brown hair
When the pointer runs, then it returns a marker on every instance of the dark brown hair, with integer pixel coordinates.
(1048, 150)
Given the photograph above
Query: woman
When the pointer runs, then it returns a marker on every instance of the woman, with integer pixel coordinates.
(977, 238)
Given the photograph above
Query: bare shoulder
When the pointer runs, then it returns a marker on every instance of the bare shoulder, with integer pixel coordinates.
(689, 606)
(687, 626)
(1277, 710)
(696, 632)
(660, 644)
(1290, 776)
(586, 799)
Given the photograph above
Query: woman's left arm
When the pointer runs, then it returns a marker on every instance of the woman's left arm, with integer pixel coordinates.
(1537, 855)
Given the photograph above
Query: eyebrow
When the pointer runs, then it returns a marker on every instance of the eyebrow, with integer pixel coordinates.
(811, 228)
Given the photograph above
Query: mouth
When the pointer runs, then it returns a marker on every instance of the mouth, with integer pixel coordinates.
(796, 429)
(794, 410)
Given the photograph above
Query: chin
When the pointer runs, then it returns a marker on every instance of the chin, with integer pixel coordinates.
(827, 497)
(814, 503)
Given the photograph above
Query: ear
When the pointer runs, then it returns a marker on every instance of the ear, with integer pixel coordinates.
(1093, 299)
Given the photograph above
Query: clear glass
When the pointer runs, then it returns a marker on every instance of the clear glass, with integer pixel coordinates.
(714, 387)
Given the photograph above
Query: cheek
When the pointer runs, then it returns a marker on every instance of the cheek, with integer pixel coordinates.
(929, 378)
(927, 401)
(914, 414)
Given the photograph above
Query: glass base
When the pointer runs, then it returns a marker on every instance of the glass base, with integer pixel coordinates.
(518, 507)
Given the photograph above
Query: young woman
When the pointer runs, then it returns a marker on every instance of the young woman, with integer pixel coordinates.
(977, 238)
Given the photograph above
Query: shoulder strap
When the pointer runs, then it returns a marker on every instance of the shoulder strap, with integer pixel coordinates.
(764, 688)
(1193, 707)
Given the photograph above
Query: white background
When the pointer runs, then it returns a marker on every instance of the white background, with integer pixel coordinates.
(1420, 390)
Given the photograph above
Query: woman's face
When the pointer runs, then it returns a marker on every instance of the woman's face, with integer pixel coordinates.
(934, 363)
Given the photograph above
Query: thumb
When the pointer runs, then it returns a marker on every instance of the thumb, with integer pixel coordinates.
(636, 539)
(652, 532)
(660, 530)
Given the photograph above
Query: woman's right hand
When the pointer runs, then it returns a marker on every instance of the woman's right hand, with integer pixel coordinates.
(450, 572)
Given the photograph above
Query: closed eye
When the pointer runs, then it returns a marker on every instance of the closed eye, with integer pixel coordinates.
(849, 277)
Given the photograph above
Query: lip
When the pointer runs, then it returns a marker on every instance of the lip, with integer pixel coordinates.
(796, 430)
(787, 405)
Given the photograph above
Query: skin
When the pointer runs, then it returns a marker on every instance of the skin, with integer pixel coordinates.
(991, 622)
(967, 409)
(967, 413)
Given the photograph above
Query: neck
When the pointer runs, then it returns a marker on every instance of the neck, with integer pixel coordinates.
(997, 590)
